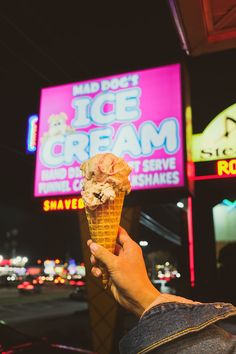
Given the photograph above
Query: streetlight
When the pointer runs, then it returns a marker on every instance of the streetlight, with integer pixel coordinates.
(143, 243)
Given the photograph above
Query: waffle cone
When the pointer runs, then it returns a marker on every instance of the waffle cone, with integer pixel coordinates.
(104, 222)
(103, 227)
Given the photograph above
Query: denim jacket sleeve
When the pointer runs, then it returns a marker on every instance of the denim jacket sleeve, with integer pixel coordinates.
(180, 328)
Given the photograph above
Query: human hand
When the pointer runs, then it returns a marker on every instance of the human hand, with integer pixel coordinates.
(129, 282)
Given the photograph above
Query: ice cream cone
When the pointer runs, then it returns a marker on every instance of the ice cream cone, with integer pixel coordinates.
(103, 226)
(105, 184)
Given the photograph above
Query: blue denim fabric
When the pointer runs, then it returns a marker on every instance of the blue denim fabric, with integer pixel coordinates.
(181, 328)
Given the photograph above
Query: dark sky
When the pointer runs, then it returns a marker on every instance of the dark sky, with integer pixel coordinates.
(51, 43)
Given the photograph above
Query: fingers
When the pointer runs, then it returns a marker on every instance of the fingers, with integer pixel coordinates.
(101, 254)
(123, 238)
(123, 241)
(96, 272)
(93, 260)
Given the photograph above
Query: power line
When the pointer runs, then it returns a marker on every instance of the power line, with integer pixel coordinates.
(25, 62)
(16, 152)
(34, 45)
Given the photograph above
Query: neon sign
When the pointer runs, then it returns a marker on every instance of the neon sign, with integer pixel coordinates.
(216, 170)
(63, 204)
(218, 140)
(225, 167)
(229, 204)
(32, 133)
(191, 241)
(136, 115)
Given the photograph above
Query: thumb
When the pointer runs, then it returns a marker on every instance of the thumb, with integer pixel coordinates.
(102, 254)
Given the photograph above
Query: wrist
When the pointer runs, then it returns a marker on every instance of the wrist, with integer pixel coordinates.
(164, 298)
(147, 296)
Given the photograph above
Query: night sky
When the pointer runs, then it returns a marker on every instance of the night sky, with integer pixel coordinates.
(50, 44)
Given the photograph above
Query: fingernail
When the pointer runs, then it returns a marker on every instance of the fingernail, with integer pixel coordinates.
(98, 272)
(94, 247)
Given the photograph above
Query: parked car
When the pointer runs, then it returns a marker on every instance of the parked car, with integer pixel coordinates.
(77, 282)
(27, 287)
(14, 342)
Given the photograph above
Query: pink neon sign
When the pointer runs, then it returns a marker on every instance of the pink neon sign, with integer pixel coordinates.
(136, 115)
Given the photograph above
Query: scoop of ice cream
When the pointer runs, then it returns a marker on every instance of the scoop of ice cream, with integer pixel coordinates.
(105, 175)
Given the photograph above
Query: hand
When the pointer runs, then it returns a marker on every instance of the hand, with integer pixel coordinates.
(129, 282)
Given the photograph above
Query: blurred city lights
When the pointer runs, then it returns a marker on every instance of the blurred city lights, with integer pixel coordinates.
(143, 243)
(56, 271)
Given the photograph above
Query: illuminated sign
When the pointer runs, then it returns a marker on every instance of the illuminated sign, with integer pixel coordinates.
(218, 140)
(32, 133)
(63, 204)
(229, 204)
(215, 169)
(136, 115)
(49, 266)
(227, 168)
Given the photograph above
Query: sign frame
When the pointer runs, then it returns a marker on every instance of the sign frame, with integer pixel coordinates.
(184, 101)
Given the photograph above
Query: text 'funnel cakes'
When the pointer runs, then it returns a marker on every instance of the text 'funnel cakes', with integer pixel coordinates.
(104, 187)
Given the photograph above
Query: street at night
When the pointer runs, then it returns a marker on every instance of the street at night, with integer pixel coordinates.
(117, 183)
(51, 314)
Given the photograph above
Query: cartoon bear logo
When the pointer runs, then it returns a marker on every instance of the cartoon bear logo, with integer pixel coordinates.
(57, 126)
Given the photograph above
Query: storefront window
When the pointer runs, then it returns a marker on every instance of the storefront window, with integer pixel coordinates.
(163, 240)
(224, 217)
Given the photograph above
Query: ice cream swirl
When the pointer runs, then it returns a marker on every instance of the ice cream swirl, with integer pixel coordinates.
(105, 175)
